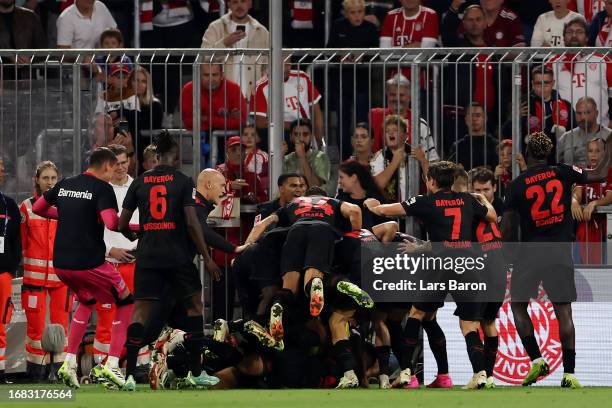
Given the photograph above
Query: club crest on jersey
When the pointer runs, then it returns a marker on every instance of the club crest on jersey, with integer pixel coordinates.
(499, 35)
(418, 27)
(576, 168)
(513, 363)
(300, 88)
(593, 66)
(563, 114)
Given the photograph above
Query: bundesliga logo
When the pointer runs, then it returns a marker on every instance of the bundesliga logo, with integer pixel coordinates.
(512, 364)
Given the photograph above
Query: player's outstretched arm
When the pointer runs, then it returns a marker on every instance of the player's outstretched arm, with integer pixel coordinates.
(384, 210)
(352, 212)
(259, 228)
(125, 227)
(43, 209)
(600, 173)
(197, 237)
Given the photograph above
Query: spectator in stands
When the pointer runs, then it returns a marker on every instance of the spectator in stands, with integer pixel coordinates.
(237, 29)
(301, 96)
(504, 28)
(150, 115)
(313, 164)
(248, 185)
(303, 24)
(355, 185)
(410, 26)
(547, 111)
(583, 74)
(103, 133)
(110, 38)
(20, 28)
(528, 12)
(351, 31)
(572, 146)
(120, 95)
(600, 27)
(168, 24)
(361, 142)
(256, 160)
(474, 26)
(482, 85)
(591, 228)
(222, 104)
(377, 10)
(588, 8)
(548, 30)
(389, 163)
(398, 103)
(80, 25)
(477, 148)
(149, 158)
(503, 171)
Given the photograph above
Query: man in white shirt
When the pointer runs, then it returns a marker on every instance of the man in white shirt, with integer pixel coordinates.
(548, 30)
(584, 74)
(237, 29)
(120, 252)
(80, 25)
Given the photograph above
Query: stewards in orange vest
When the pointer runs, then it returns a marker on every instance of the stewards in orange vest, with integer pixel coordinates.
(39, 279)
(10, 255)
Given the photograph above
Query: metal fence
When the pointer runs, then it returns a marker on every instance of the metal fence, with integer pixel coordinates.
(459, 104)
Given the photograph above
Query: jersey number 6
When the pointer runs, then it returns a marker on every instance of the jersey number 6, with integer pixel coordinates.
(157, 202)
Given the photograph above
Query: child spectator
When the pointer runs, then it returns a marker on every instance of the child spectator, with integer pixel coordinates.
(591, 228)
(256, 160)
(149, 157)
(109, 39)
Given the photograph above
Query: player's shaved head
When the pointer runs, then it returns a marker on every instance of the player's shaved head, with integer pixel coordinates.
(208, 175)
(211, 184)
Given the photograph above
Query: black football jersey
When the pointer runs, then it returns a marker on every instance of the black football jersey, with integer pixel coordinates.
(161, 194)
(542, 196)
(79, 241)
(313, 209)
(448, 216)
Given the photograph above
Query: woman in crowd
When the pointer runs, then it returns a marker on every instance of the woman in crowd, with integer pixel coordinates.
(39, 279)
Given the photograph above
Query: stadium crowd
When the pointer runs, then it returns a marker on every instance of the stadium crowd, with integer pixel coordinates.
(305, 321)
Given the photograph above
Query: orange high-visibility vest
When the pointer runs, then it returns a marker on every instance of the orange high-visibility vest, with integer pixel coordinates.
(37, 237)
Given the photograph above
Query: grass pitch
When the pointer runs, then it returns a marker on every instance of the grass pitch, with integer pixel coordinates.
(94, 396)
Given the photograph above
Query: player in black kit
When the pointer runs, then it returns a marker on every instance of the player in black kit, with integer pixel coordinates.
(449, 218)
(169, 229)
(542, 198)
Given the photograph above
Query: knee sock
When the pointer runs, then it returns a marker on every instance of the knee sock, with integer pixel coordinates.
(382, 356)
(490, 349)
(135, 334)
(410, 339)
(531, 347)
(475, 351)
(194, 341)
(437, 344)
(344, 355)
(123, 316)
(569, 360)
(80, 319)
(396, 334)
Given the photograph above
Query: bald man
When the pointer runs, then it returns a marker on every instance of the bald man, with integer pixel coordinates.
(210, 191)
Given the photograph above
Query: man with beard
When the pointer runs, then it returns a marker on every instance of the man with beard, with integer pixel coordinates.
(313, 164)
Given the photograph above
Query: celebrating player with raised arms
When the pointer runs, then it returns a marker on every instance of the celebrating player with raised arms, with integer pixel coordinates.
(542, 198)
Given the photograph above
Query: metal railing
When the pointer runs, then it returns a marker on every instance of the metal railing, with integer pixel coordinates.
(59, 90)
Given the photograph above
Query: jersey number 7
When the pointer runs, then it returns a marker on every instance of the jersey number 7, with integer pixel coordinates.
(454, 212)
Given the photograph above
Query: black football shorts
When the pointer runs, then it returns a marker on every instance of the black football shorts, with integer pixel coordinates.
(308, 246)
(151, 283)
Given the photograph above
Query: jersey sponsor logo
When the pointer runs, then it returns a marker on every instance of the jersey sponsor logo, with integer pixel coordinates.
(159, 179)
(513, 363)
(86, 195)
(540, 176)
(450, 203)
